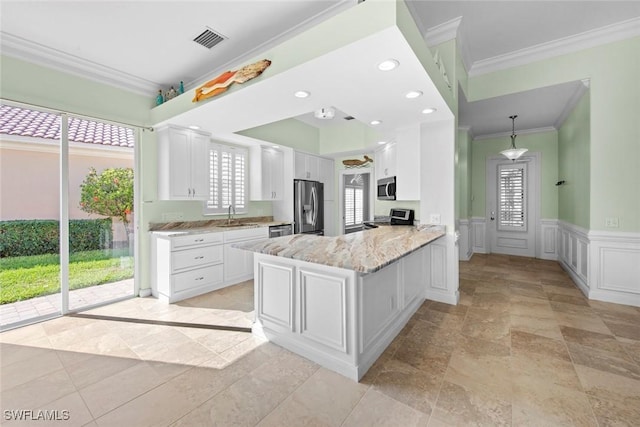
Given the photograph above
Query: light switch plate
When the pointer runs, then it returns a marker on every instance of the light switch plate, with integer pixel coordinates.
(434, 219)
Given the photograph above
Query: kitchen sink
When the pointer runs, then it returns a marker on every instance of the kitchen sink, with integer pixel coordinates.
(244, 224)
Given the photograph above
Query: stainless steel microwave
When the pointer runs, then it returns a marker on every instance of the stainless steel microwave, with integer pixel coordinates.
(387, 188)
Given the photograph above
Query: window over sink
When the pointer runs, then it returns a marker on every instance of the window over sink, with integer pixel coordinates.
(227, 179)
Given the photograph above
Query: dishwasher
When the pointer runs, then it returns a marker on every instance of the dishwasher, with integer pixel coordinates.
(280, 230)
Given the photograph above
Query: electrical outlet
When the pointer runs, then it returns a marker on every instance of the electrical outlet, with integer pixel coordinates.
(434, 219)
(611, 222)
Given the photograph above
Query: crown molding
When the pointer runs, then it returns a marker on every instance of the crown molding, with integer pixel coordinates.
(573, 101)
(520, 132)
(588, 39)
(35, 53)
(443, 32)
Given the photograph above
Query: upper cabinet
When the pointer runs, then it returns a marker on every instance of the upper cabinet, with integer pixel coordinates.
(307, 167)
(314, 168)
(385, 161)
(402, 160)
(183, 167)
(267, 174)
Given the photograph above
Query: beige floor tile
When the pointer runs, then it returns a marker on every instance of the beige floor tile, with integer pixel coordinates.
(537, 396)
(532, 324)
(526, 343)
(117, 389)
(632, 347)
(428, 333)
(38, 392)
(377, 409)
(615, 399)
(604, 360)
(493, 325)
(591, 322)
(526, 289)
(568, 299)
(460, 405)
(325, 399)
(96, 368)
(556, 371)
(19, 372)
(417, 388)
(497, 301)
(423, 355)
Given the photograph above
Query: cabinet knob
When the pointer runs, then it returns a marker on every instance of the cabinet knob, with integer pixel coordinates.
(199, 257)
(199, 240)
(199, 278)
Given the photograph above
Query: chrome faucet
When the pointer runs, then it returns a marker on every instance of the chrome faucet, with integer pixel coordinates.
(231, 207)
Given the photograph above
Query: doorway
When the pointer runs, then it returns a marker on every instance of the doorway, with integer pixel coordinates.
(355, 199)
(513, 205)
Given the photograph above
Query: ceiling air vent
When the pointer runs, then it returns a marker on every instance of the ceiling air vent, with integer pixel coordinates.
(208, 38)
(349, 118)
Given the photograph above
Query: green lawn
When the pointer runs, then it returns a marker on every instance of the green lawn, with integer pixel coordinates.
(27, 277)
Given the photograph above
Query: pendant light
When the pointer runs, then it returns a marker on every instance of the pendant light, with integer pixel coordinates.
(513, 153)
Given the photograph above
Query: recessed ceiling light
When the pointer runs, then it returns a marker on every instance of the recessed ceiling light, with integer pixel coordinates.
(413, 94)
(194, 127)
(375, 122)
(275, 146)
(382, 142)
(302, 94)
(388, 65)
(429, 110)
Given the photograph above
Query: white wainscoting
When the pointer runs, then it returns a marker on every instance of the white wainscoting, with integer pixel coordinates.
(548, 248)
(614, 267)
(604, 264)
(573, 253)
(465, 248)
(479, 235)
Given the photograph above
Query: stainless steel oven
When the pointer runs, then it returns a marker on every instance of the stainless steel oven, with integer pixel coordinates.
(387, 188)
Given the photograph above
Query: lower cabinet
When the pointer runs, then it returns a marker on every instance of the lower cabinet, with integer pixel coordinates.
(336, 317)
(190, 265)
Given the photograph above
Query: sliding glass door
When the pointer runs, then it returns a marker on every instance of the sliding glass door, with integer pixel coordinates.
(67, 187)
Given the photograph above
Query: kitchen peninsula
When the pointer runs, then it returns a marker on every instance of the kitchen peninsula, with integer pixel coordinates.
(340, 301)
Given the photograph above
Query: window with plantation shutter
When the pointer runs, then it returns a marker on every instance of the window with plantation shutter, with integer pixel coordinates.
(512, 197)
(227, 179)
(355, 199)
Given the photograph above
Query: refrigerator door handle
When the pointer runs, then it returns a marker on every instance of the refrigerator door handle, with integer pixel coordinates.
(299, 204)
(314, 205)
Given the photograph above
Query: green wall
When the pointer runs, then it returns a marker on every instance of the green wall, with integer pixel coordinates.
(613, 70)
(463, 174)
(290, 132)
(545, 143)
(573, 159)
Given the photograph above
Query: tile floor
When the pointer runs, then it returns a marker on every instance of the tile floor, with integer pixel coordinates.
(524, 347)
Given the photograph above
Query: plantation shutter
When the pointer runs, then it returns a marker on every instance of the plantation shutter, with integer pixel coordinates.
(512, 197)
(354, 206)
(227, 179)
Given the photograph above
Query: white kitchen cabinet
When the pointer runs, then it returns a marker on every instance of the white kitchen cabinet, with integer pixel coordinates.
(307, 166)
(193, 264)
(385, 161)
(183, 166)
(186, 266)
(238, 263)
(327, 177)
(267, 174)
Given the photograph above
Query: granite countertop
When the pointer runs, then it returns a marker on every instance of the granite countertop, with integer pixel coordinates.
(169, 229)
(365, 252)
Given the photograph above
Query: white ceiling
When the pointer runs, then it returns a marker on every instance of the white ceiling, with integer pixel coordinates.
(146, 45)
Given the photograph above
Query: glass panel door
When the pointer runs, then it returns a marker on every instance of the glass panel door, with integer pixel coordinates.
(100, 202)
(30, 158)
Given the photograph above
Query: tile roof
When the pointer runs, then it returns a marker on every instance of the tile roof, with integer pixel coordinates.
(39, 124)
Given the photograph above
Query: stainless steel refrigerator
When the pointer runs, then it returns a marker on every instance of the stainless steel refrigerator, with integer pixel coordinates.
(308, 215)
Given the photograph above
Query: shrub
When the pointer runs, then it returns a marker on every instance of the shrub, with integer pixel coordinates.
(37, 237)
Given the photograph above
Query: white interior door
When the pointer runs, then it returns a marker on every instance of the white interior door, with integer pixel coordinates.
(513, 205)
